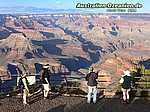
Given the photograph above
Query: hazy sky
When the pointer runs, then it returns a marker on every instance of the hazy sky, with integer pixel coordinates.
(67, 4)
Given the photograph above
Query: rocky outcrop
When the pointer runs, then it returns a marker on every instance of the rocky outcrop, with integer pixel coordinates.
(15, 44)
(118, 45)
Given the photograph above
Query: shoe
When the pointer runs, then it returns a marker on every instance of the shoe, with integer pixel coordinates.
(45, 98)
(25, 104)
(123, 102)
(128, 101)
(88, 102)
(7, 95)
(94, 102)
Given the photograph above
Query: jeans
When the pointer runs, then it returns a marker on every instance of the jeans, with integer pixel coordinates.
(92, 92)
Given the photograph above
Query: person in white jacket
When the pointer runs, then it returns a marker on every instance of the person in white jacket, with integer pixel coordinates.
(126, 85)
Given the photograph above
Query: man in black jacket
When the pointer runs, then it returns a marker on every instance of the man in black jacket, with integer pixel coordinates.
(92, 85)
(45, 79)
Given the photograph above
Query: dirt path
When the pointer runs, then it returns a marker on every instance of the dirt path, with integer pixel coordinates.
(71, 104)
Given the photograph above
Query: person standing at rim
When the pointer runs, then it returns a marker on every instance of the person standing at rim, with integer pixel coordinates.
(92, 85)
(23, 82)
(125, 81)
(45, 80)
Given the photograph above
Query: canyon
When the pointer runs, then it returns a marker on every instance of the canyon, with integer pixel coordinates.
(74, 42)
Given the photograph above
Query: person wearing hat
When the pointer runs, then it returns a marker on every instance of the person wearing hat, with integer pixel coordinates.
(45, 80)
(126, 85)
(23, 82)
(92, 85)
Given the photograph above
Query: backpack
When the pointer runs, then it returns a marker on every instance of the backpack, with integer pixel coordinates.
(22, 69)
(87, 77)
(20, 83)
(45, 74)
(127, 82)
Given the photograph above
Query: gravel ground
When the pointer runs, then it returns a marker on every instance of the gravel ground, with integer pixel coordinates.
(57, 103)
(115, 105)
